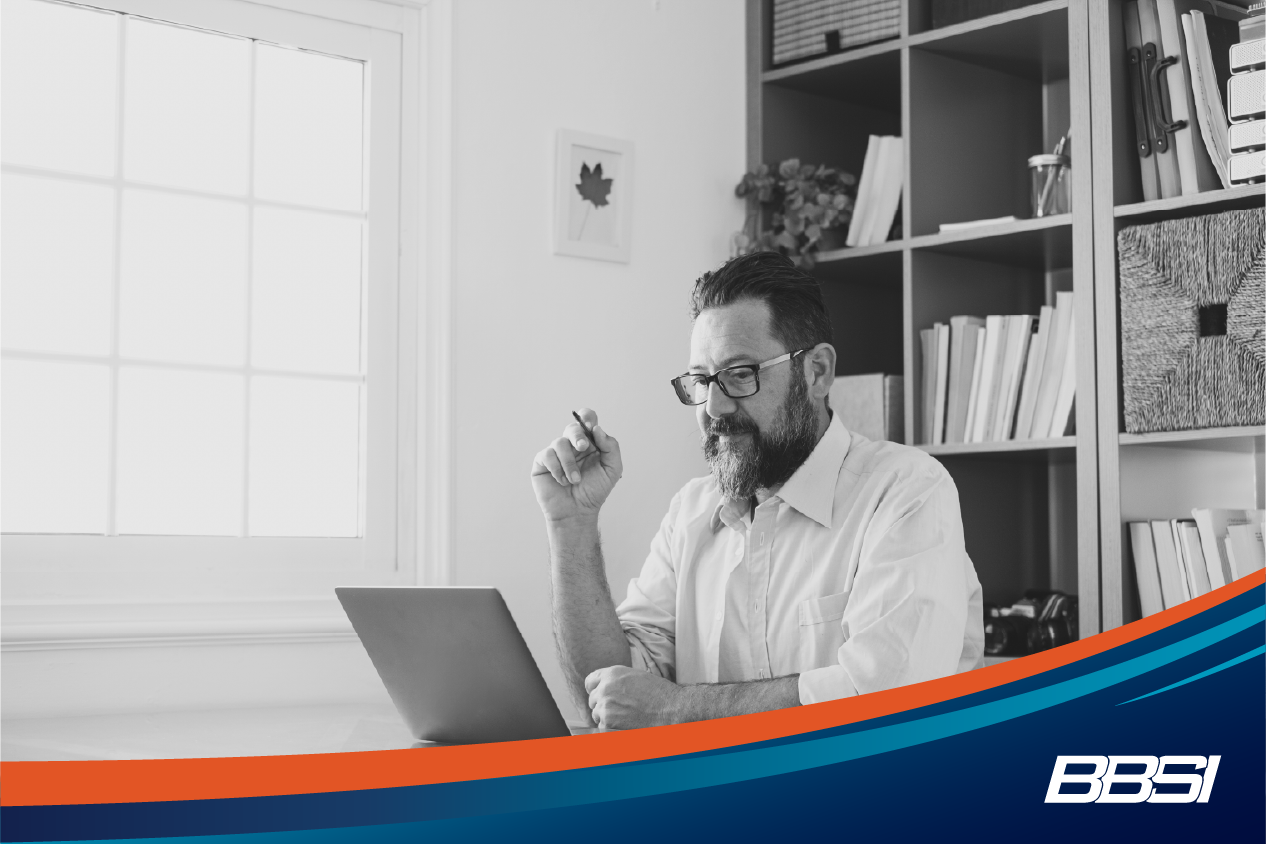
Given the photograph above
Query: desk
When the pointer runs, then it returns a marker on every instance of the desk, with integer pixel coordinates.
(271, 731)
(267, 731)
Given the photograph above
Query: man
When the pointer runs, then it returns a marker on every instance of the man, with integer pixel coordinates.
(812, 564)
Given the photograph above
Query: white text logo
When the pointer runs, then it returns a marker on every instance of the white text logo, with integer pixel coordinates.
(1141, 786)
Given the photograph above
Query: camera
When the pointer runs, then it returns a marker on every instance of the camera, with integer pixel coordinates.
(1042, 619)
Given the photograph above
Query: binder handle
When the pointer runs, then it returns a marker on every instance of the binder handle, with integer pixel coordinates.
(1162, 128)
(1138, 87)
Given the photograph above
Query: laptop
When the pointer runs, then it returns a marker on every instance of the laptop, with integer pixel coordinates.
(454, 663)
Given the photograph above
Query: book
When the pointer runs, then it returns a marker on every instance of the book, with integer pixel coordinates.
(1197, 571)
(1145, 571)
(1019, 335)
(887, 196)
(1061, 416)
(972, 224)
(1187, 591)
(1244, 548)
(1053, 366)
(870, 405)
(1139, 100)
(963, 331)
(1206, 113)
(1032, 374)
(1208, 43)
(927, 383)
(1166, 158)
(942, 381)
(1214, 524)
(865, 192)
(974, 392)
(1195, 168)
(1167, 565)
(986, 396)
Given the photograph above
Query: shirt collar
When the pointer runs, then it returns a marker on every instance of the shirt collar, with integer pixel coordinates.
(811, 490)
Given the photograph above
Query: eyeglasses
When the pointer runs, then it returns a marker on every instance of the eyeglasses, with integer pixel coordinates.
(737, 382)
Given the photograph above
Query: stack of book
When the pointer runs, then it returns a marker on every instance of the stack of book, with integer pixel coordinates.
(878, 192)
(1246, 104)
(999, 377)
(1181, 127)
(1180, 559)
(807, 28)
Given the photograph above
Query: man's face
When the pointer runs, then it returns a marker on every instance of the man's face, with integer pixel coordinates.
(758, 441)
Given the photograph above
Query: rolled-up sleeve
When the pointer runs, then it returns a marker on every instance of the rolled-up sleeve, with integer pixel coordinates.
(908, 611)
(648, 614)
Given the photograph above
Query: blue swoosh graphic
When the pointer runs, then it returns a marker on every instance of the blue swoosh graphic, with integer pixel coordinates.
(1214, 670)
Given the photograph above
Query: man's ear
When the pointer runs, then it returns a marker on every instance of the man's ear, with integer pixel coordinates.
(820, 370)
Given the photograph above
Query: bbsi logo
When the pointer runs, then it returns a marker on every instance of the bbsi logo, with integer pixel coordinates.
(1140, 785)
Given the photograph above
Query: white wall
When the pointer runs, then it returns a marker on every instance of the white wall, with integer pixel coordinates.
(536, 335)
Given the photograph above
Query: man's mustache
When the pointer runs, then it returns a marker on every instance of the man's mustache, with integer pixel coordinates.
(731, 425)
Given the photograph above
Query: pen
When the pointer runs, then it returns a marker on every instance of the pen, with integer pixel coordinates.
(588, 433)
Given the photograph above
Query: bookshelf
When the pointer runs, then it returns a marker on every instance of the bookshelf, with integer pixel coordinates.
(1154, 475)
(973, 102)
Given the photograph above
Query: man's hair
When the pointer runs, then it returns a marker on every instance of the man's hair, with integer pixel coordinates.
(797, 315)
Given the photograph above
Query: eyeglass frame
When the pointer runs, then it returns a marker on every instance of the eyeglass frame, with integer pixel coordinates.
(715, 378)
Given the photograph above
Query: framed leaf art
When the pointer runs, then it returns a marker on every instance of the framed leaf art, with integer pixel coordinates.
(593, 211)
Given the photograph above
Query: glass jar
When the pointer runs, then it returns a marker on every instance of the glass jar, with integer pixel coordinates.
(1051, 179)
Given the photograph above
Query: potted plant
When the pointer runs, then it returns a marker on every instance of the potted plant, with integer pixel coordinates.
(808, 209)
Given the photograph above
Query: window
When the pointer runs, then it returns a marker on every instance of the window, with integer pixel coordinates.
(201, 270)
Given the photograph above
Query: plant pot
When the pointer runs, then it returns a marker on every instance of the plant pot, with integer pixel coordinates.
(832, 239)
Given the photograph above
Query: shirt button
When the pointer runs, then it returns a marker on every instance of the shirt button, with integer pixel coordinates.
(718, 616)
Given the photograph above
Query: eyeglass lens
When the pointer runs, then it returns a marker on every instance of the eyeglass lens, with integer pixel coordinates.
(737, 383)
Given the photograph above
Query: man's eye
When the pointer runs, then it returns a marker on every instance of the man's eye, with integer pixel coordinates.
(741, 376)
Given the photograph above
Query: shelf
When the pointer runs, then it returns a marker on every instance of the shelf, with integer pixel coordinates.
(1004, 447)
(1209, 202)
(869, 75)
(1031, 42)
(1043, 243)
(1193, 437)
(854, 252)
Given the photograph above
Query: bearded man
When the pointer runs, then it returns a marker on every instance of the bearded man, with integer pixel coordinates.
(812, 564)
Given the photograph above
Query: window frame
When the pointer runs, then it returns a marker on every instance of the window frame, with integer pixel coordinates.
(56, 570)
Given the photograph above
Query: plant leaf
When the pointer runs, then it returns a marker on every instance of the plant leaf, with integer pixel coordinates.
(593, 188)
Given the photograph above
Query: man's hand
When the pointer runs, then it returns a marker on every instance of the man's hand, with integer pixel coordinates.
(572, 478)
(623, 698)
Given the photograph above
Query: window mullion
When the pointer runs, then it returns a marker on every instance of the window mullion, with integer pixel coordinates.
(112, 470)
(250, 279)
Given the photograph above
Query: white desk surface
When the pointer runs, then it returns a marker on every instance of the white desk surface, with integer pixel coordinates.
(269, 731)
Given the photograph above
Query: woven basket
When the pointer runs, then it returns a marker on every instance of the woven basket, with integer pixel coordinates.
(805, 29)
(1193, 302)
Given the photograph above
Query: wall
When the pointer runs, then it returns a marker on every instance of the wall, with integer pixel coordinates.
(536, 335)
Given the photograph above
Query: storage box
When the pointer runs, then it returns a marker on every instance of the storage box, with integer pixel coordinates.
(805, 29)
(870, 405)
(1192, 304)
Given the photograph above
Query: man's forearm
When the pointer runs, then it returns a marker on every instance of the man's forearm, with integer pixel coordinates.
(586, 628)
(721, 700)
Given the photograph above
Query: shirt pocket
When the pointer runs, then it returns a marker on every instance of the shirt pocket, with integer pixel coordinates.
(821, 630)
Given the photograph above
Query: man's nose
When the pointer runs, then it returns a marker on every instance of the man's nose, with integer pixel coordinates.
(719, 404)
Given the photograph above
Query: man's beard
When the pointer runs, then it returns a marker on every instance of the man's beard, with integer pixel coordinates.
(741, 467)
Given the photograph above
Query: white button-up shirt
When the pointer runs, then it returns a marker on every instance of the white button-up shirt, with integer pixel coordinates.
(853, 575)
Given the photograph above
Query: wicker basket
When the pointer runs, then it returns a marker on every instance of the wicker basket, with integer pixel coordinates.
(1192, 308)
(805, 29)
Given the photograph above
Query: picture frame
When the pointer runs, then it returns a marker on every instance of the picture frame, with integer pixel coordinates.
(593, 211)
